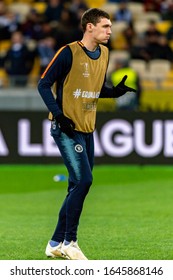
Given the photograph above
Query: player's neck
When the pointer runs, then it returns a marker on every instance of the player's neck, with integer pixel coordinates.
(89, 44)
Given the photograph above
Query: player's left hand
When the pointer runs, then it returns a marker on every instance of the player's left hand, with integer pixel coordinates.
(121, 88)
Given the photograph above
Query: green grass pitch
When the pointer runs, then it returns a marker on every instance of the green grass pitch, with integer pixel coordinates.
(127, 215)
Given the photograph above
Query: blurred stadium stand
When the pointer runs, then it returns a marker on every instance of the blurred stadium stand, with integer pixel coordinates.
(156, 76)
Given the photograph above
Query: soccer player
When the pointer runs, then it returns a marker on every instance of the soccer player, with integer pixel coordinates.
(70, 87)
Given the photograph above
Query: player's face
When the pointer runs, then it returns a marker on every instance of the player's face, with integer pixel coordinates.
(102, 31)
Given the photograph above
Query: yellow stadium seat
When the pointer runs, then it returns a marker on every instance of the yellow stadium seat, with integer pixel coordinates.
(163, 26)
(171, 44)
(35, 73)
(140, 66)
(3, 78)
(95, 3)
(40, 7)
(159, 68)
(119, 54)
(110, 8)
(117, 39)
(20, 7)
(148, 16)
(136, 9)
(148, 84)
(167, 83)
(140, 26)
(4, 46)
(155, 100)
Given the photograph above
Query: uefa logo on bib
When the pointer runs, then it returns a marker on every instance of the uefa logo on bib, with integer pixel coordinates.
(78, 148)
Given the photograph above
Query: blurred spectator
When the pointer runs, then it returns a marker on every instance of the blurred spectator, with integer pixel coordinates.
(169, 33)
(131, 100)
(167, 10)
(152, 45)
(129, 34)
(139, 49)
(47, 30)
(9, 22)
(46, 51)
(31, 27)
(152, 5)
(164, 6)
(18, 61)
(53, 10)
(123, 13)
(151, 36)
(163, 50)
(68, 29)
(76, 5)
(152, 33)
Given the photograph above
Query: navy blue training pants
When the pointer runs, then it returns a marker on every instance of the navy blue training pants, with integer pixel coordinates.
(78, 156)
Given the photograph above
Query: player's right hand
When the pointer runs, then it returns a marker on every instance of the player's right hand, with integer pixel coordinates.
(66, 125)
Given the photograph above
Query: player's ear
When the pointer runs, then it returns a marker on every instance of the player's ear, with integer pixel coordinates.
(90, 27)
